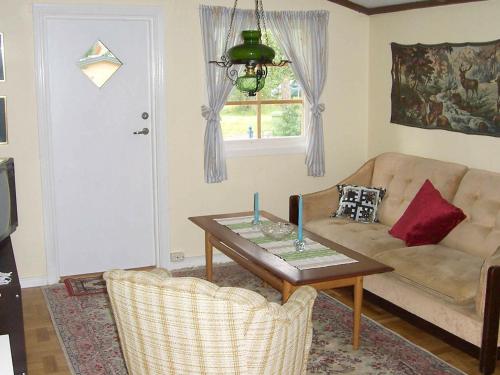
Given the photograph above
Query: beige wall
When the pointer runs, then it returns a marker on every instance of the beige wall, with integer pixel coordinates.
(475, 22)
(275, 177)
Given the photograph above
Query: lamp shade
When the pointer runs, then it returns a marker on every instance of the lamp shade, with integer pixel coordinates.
(251, 51)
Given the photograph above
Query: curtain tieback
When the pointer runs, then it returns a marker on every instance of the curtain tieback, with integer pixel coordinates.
(316, 109)
(209, 114)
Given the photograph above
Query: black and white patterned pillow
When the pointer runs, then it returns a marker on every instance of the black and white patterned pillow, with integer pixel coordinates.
(359, 203)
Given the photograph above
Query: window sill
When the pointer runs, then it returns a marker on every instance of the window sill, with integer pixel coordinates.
(266, 146)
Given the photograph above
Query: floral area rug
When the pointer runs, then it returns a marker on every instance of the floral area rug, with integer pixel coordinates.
(88, 334)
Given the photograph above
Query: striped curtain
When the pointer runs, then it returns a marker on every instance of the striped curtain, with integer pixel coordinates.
(215, 26)
(303, 36)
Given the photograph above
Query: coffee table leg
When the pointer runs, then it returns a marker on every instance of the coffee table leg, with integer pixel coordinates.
(208, 256)
(358, 301)
(286, 291)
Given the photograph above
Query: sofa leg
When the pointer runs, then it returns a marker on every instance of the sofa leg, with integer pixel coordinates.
(293, 209)
(488, 355)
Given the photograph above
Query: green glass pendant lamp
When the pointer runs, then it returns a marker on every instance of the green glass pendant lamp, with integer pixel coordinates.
(255, 55)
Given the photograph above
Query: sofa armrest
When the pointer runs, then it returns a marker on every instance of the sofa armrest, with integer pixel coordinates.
(488, 307)
(488, 355)
(491, 261)
(322, 204)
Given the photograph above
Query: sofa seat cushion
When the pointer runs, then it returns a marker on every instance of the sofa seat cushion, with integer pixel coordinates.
(367, 239)
(450, 273)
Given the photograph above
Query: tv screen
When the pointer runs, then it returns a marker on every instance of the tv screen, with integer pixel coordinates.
(8, 207)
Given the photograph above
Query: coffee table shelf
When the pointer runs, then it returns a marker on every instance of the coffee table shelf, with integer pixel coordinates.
(280, 274)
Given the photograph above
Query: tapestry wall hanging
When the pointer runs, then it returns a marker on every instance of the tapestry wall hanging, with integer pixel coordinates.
(447, 86)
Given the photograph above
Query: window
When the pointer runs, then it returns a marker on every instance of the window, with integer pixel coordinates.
(274, 117)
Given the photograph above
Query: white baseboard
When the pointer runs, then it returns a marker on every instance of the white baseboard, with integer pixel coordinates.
(30, 282)
(198, 261)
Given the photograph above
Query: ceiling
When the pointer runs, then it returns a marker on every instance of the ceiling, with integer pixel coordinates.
(381, 3)
(386, 6)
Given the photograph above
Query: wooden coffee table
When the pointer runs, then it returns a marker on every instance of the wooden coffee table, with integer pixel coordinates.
(281, 275)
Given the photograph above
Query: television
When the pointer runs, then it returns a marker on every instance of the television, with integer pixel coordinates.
(8, 205)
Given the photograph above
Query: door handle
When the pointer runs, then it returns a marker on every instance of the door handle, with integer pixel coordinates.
(144, 131)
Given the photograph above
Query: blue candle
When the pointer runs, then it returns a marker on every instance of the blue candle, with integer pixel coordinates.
(256, 207)
(299, 232)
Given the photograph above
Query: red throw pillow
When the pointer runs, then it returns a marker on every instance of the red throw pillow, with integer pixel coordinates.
(428, 218)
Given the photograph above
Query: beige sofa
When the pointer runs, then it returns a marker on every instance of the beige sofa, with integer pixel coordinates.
(445, 283)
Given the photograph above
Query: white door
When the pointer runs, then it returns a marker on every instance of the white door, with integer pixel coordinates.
(103, 177)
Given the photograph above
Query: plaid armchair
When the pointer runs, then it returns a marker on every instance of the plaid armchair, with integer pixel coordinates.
(190, 326)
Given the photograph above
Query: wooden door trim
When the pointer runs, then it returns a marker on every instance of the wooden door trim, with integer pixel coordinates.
(154, 15)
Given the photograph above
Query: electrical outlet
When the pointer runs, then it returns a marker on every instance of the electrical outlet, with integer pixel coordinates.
(177, 256)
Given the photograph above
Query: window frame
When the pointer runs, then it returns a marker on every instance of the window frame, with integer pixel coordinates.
(267, 146)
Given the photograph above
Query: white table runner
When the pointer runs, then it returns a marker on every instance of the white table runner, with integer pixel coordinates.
(315, 255)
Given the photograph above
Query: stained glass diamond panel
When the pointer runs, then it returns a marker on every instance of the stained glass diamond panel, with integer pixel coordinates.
(99, 64)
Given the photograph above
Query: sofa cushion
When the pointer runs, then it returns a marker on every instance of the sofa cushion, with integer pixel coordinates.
(479, 197)
(359, 203)
(368, 239)
(428, 218)
(440, 270)
(403, 175)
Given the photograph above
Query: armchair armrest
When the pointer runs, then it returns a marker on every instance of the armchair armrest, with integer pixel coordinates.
(302, 299)
(162, 272)
(299, 302)
(296, 327)
(279, 336)
(323, 203)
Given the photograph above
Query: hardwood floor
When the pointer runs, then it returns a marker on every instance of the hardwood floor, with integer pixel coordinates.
(45, 356)
(44, 353)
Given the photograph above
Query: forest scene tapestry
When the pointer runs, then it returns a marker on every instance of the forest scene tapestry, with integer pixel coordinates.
(447, 86)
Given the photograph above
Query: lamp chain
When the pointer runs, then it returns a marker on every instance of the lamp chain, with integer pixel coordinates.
(257, 14)
(263, 16)
(230, 28)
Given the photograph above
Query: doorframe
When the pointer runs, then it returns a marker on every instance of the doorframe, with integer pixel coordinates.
(154, 15)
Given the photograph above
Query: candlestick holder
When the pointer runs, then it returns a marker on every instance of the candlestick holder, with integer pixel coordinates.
(256, 224)
(300, 245)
